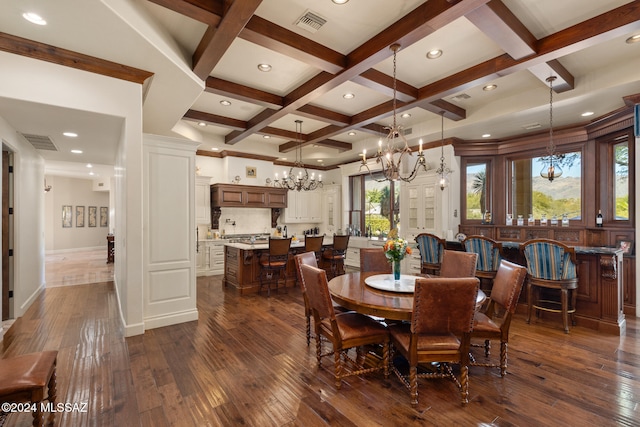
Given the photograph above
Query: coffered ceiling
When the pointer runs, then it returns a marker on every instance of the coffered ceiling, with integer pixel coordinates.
(513, 44)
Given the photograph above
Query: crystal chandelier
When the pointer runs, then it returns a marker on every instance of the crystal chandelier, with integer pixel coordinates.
(551, 168)
(396, 150)
(298, 180)
(443, 171)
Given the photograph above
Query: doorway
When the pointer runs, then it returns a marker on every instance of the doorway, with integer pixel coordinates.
(7, 233)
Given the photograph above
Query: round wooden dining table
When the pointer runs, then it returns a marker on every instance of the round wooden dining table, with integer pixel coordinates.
(351, 291)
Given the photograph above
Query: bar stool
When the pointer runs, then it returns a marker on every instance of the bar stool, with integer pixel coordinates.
(336, 255)
(551, 265)
(431, 250)
(275, 261)
(30, 378)
(314, 244)
(489, 256)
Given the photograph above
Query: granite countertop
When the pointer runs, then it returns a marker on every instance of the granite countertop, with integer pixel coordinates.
(265, 246)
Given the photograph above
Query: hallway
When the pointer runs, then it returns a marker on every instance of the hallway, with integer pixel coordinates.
(77, 268)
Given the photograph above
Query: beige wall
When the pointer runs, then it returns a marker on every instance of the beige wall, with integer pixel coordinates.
(73, 192)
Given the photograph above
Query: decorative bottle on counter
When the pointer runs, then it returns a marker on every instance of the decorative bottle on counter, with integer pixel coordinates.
(520, 221)
(565, 220)
(531, 221)
(284, 233)
(509, 219)
(543, 220)
(599, 218)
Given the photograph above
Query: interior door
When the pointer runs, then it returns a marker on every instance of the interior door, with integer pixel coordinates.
(5, 235)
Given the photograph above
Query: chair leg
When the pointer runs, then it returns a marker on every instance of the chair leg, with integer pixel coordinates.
(529, 302)
(337, 357)
(564, 299)
(413, 385)
(385, 358)
(574, 295)
(464, 383)
(487, 348)
(308, 329)
(503, 358)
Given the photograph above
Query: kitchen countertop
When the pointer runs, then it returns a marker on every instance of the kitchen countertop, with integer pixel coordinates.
(264, 246)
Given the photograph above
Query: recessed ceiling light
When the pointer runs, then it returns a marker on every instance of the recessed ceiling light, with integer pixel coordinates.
(633, 39)
(34, 18)
(214, 149)
(320, 160)
(340, 1)
(70, 134)
(89, 165)
(433, 54)
(352, 133)
(587, 114)
(76, 151)
(348, 95)
(265, 68)
(225, 102)
(91, 173)
(486, 135)
(283, 158)
(203, 124)
(405, 115)
(266, 136)
(487, 88)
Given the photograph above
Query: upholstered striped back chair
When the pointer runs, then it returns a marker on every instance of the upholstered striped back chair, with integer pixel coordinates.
(489, 256)
(431, 250)
(551, 265)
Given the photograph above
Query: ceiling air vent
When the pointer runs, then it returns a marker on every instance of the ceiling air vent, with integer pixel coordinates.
(40, 142)
(310, 21)
(460, 97)
(408, 131)
(532, 126)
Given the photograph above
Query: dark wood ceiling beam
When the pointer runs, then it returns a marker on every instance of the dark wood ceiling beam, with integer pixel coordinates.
(55, 55)
(242, 93)
(291, 145)
(607, 26)
(500, 24)
(217, 40)
(280, 133)
(451, 111)
(274, 37)
(383, 83)
(338, 145)
(564, 79)
(318, 113)
(214, 119)
(206, 11)
(422, 21)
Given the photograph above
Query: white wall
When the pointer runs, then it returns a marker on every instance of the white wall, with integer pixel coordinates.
(66, 191)
(28, 247)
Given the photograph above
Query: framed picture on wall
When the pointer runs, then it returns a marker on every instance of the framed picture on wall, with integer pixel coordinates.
(67, 216)
(104, 215)
(251, 172)
(79, 216)
(93, 213)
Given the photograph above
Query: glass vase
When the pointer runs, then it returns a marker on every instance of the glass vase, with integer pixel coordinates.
(396, 270)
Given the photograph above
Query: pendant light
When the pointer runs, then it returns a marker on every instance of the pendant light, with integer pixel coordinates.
(551, 168)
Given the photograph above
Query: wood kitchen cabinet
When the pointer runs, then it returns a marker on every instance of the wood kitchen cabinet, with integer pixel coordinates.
(303, 207)
(246, 196)
(420, 206)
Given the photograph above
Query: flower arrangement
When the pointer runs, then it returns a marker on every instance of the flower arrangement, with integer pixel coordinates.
(396, 248)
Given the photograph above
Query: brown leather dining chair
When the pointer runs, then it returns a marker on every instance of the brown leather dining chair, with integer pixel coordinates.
(308, 258)
(343, 330)
(458, 264)
(374, 260)
(439, 332)
(274, 261)
(494, 322)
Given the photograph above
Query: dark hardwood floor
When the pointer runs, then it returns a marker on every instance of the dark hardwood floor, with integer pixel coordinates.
(245, 362)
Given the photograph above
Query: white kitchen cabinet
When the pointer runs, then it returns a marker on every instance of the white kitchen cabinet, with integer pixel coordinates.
(303, 207)
(210, 257)
(352, 258)
(203, 197)
(420, 204)
(331, 209)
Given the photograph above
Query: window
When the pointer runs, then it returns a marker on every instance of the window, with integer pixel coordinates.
(375, 205)
(532, 194)
(620, 169)
(477, 200)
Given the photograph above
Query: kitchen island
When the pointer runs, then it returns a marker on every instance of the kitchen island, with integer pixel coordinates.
(242, 264)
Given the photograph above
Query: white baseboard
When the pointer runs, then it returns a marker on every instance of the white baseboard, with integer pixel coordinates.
(171, 319)
(65, 251)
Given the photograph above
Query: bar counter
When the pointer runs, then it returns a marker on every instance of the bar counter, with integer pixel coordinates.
(242, 264)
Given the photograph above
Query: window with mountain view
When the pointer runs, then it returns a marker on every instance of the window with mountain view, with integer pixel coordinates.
(532, 194)
(621, 177)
